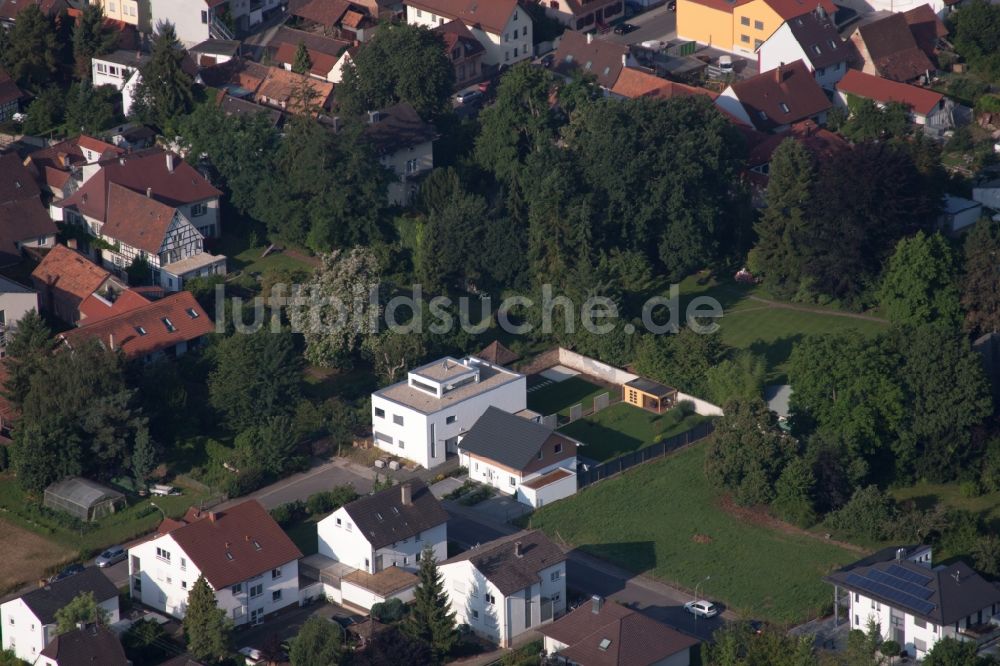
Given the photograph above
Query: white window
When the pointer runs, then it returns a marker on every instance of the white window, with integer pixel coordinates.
(515, 14)
(199, 209)
(555, 576)
(276, 573)
(276, 595)
(513, 481)
(475, 618)
(340, 522)
(557, 448)
(350, 528)
(162, 555)
(204, 16)
(184, 564)
(256, 590)
(184, 584)
(411, 166)
(450, 419)
(402, 444)
(919, 623)
(419, 13)
(102, 68)
(506, 37)
(111, 6)
(379, 413)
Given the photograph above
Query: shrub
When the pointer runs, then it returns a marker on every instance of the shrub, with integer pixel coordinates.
(970, 489)
(286, 514)
(389, 611)
(331, 500)
(4, 459)
(245, 481)
(870, 513)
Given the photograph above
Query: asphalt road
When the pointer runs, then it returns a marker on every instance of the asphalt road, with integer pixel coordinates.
(659, 23)
(301, 486)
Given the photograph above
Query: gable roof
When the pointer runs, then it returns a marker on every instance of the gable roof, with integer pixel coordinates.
(634, 83)
(455, 32)
(581, 53)
(398, 126)
(239, 77)
(325, 12)
(86, 646)
(819, 39)
(234, 106)
(633, 639)
(69, 272)
(314, 42)
(893, 50)
(9, 92)
(279, 88)
(246, 532)
(766, 97)
(46, 601)
(321, 63)
(926, 28)
(492, 16)
(16, 181)
(136, 220)
(499, 562)
(145, 327)
(819, 141)
(22, 221)
(921, 100)
(786, 9)
(383, 519)
(508, 439)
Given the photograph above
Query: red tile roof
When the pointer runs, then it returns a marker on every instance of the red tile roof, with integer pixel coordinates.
(491, 15)
(9, 91)
(581, 53)
(455, 32)
(279, 88)
(95, 308)
(782, 96)
(10, 9)
(69, 272)
(322, 63)
(325, 12)
(142, 330)
(921, 100)
(893, 49)
(246, 532)
(634, 83)
(926, 27)
(786, 9)
(136, 219)
(817, 140)
(16, 181)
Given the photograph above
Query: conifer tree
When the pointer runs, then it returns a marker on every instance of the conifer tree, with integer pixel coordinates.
(431, 618)
(165, 91)
(302, 63)
(205, 625)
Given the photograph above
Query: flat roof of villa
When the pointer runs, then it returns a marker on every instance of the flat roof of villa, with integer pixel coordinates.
(443, 369)
(490, 377)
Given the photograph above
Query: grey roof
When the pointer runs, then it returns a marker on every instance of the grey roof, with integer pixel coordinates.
(134, 59)
(943, 595)
(384, 519)
(234, 106)
(506, 438)
(819, 39)
(651, 387)
(229, 47)
(90, 645)
(45, 601)
(777, 397)
(82, 492)
(500, 564)
(399, 126)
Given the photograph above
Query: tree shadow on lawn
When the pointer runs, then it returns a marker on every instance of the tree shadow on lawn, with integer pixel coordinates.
(561, 395)
(776, 352)
(922, 502)
(636, 557)
(600, 442)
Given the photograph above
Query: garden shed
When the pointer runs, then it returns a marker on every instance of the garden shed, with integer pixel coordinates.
(83, 498)
(649, 395)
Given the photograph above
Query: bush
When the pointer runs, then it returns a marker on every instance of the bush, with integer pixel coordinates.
(466, 486)
(244, 482)
(970, 489)
(289, 513)
(389, 611)
(331, 500)
(967, 88)
(870, 513)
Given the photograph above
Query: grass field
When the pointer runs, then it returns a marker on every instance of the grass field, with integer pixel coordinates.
(242, 256)
(662, 518)
(622, 428)
(927, 495)
(558, 397)
(27, 556)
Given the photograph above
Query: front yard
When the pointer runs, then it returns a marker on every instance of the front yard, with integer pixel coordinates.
(622, 428)
(664, 519)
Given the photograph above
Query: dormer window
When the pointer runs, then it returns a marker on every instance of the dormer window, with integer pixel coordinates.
(833, 44)
(229, 556)
(816, 49)
(763, 116)
(379, 516)
(604, 644)
(256, 544)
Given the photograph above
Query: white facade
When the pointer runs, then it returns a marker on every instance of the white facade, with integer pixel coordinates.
(550, 492)
(190, 18)
(477, 602)
(161, 576)
(26, 636)
(425, 428)
(782, 48)
(408, 164)
(15, 301)
(124, 79)
(512, 44)
(341, 540)
(511, 481)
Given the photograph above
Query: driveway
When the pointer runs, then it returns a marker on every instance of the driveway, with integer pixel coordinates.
(659, 24)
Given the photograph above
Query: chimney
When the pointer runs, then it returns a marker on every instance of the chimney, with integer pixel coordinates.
(625, 60)
(517, 549)
(170, 162)
(590, 38)
(778, 74)
(336, 123)
(71, 243)
(149, 192)
(596, 603)
(406, 494)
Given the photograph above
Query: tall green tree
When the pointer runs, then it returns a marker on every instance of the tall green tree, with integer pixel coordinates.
(302, 63)
(83, 608)
(918, 286)
(741, 377)
(981, 281)
(681, 360)
(144, 457)
(46, 112)
(270, 446)
(446, 255)
(90, 110)
(778, 253)
(431, 619)
(31, 51)
(206, 627)
(165, 92)
(318, 643)
(977, 35)
(737, 644)
(28, 346)
(91, 37)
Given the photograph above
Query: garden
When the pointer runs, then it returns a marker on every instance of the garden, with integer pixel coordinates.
(558, 397)
(623, 428)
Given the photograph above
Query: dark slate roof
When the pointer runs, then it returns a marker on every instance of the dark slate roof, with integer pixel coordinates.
(651, 387)
(384, 519)
(88, 646)
(229, 47)
(819, 39)
(501, 565)
(893, 49)
(579, 53)
(942, 595)
(398, 126)
(506, 438)
(45, 601)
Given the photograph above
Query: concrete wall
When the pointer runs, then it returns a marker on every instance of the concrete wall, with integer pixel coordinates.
(186, 15)
(703, 407)
(594, 368)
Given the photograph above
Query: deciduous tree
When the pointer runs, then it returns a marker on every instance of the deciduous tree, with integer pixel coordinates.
(82, 609)
(918, 286)
(318, 643)
(981, 282)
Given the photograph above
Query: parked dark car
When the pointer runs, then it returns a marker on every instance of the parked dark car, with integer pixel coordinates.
(625, 28)
(467, 96)
(71, 570)
(672, 5)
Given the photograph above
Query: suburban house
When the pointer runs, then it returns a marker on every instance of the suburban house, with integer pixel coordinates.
(633, 83)
(811, 38)
(584, 14)
(121, 70)
(65, 279)
(463, 50)
(421, 417)
(603, 633)
(926, 107)
(518, 456)
(581, 54)
(347, 20)
(234, 106)
(198, 20)
(29, 621)
(915, 603)
(324, 52)
(10, 8)
(503, 27)
(740, 26)
(773, 101)
(10, 96)
(819, 141)
(214, 51)
(887, 47)
(508, 586)
(87, 644)
(404, 144)
(60, 169)
(133, 12)
(16, 300)
(23, 222)
(378, 540)
(141, 328)
(244, 555)
(283, 90)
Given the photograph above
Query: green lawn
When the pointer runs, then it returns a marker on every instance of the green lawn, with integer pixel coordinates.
(558, 397)
(927, 495)
(622, 428)
(244, 257)
(662, 518)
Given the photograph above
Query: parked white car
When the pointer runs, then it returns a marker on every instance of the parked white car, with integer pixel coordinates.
(701, 608)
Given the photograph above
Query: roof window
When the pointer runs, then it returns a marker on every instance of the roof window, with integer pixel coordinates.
(229, 555)
(763, 116)
(816, 49)
(140, 330)
(256, 544)
(169, 324)
(784, 107)
(191, 312)
(604, 644)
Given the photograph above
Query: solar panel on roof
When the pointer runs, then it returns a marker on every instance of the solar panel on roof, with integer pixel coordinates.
(886, 592)
(910, 575)
(906, 586)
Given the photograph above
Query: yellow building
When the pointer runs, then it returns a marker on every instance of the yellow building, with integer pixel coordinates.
(126, 11)
(740, 26)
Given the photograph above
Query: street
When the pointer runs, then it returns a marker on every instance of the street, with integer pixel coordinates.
(659, 24)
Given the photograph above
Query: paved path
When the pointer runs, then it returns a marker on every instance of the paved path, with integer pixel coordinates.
(300, 486)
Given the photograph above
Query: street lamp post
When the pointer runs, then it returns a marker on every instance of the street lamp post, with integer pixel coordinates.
(157, 507)
(700, 583)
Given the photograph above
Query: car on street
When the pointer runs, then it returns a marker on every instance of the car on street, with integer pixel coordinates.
(468, 96)
(112, 555)
(71, 570)
(625, 28)
(701, 608)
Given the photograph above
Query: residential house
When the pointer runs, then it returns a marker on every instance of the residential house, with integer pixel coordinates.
(29, 621)
(821, 142)
(508, 586)
(65, 279)
(16, 300)
(503, 27)
(23, 221)
(215, 52)
(633, 83)
(812, 38)
(324, 52)
(87, 644)
(62, 167)
(378, 541)
(927, 29)
(404, 144)
(926, 106)
(283, 89)
(245, 557)
(773, 101)
(463, 50)
(237, 77)
(353, 21)
(584, 14)
(141, 328)
(234, 106)
(740, 26)
(132, 12)
(887, 47)
(10, 96)
(581, 54)
(421, 417)
(121, 70)
(604, 633)
(9, 9)
(198, 20)
(528, 460)
(988, 193)
(915, 603)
